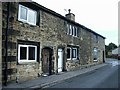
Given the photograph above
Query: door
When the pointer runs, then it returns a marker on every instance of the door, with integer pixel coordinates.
(103, 57)
(60, 60)
(45, 61)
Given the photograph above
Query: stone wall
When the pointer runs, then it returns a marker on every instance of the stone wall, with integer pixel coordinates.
(54, 34)
(11, 67)
(85, 55)
(0, 44)
(100, 44)
(18, 31)
(28, 33)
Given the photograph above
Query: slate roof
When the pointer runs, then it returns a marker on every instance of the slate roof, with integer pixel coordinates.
(38, 6)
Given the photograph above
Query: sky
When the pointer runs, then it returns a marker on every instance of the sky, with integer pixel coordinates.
(99, 15)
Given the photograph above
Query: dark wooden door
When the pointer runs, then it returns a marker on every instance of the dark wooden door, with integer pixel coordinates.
(46, 59)
(103, 57)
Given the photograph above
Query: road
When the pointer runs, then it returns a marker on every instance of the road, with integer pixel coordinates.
(105, 77)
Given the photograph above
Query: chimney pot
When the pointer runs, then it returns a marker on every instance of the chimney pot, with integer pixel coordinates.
(69, 10)
(70, 15)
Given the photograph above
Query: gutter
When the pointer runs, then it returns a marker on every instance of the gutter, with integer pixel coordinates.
(6, 45)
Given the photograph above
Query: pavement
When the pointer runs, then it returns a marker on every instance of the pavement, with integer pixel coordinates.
(44, 82)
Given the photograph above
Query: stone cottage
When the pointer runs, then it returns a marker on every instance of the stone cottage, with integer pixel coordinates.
(37, 41)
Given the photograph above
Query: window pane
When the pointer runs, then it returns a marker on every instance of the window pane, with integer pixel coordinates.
(31, 55)
(23, 13)
(74, 54)
(23, 53)
(75, 31)
(95, 53)
(68, 53)
(32, 17)
(70, 30)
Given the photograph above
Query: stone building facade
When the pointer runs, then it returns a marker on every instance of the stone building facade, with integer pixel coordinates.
(42, 42)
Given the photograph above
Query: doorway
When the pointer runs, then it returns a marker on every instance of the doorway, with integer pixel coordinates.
(47, 61)
(103, 57)
(60, 60)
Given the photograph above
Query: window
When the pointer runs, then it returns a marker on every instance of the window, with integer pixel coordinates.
(74, 53)
(27, 15)
(95, 54)
(23, 51)
(31, 53)
(72, 30)
(23, 13)
(71, 53)
(27, 53)
(75, 31)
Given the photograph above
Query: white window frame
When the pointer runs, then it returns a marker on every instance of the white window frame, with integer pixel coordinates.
(74, 29)
(26, 60)
(28, 12)
(72, 53)
(76, 53)
(70, 29)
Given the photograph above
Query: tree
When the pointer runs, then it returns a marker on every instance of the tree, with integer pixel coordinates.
(110, 47)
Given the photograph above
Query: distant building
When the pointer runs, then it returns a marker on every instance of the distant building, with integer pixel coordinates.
(37, 41)
(115, 51)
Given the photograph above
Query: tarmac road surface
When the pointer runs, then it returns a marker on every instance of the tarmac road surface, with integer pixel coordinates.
(105, 77)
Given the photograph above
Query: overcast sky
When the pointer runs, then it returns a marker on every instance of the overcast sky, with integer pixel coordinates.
(99, 15)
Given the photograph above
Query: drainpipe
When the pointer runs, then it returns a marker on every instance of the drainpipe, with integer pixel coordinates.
(6, 44)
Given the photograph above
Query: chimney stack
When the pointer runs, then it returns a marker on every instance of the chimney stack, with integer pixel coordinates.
(70, 15)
